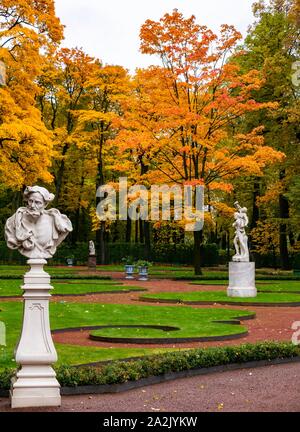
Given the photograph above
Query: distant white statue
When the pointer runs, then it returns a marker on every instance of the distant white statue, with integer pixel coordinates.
(240, 240)
(92, 250)
(33, 230)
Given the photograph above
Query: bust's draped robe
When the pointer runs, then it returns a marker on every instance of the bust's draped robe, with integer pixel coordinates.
(38, 239)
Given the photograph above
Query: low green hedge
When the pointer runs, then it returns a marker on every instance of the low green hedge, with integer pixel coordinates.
(172, 253)
(118, 372)
(180, 253)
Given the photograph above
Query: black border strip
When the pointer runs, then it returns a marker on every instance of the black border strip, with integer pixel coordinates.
(84, 294)
(149, 341)
(227, 303)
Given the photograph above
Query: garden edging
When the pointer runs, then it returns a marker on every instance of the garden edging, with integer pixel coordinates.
(117, 388)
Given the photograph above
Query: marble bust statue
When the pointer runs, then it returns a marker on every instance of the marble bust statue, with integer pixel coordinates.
(33, 230)
(92, 250)
(240, 240)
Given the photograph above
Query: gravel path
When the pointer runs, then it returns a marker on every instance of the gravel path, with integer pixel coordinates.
(271, 388)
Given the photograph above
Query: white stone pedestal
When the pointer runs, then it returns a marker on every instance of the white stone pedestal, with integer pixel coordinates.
(35, 384)
(241, 279)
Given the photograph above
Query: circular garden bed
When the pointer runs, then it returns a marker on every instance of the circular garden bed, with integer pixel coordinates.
(220, 297)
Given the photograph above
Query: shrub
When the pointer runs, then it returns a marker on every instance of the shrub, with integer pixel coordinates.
(118, 372)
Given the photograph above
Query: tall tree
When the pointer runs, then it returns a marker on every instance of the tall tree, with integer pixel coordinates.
(26, 29)
(272, 46)
(98, 124)
(186, 110)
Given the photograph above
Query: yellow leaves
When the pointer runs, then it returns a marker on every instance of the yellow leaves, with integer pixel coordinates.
(40, 14)
(223, 209)
(221, 186)
(110, 80)
(265, 237)
(266, 155)
(220, 406)
(251, 140)
(25, 144)
(93, 117)
(195, 182)
(95, 220)
(208, 220)
(26, 29)
(84, 203)
(185, 149)
(271, 194)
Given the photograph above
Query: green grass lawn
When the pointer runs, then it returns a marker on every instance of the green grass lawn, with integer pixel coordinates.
(221, 296)
(157, 270)
(11, 287)
(265, 286)
(209, 282)
(192, 323)
(20, 270)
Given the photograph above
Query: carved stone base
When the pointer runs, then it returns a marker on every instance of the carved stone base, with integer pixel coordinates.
(92, 262)
(35, 386)
(241, 279)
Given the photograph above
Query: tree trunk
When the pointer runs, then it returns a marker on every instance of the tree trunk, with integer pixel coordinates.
(141, 227)
(59, 176)
(284, 214)
(228, 246)
(128, 230)
(291, 238)
(76, 227)
(136, 231)
(255, 209)
(147, 240)
(224, 241)
(100, 241)
(100, 234)
(198, 240)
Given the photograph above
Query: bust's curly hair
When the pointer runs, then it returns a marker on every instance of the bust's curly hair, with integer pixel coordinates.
(47, 196)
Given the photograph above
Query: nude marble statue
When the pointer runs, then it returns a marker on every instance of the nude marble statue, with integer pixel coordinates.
(240, 240)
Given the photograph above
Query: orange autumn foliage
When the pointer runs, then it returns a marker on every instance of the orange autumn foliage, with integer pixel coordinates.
(180, 120)
(26, 28)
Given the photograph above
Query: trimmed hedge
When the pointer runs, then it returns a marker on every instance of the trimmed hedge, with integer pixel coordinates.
(118, 372)
(180, 253)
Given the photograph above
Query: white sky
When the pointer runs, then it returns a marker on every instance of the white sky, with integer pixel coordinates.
(109, 29)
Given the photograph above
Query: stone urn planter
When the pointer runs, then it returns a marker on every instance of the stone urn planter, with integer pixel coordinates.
(128, 262)
(129, 270)
(143, 269)
(70, 262)
(143, 273)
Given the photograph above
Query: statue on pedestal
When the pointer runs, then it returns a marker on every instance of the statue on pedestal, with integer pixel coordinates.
(92, 260)
(92, 251)
(240, 240)
(36, 232)
(241, 270)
